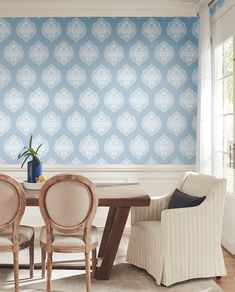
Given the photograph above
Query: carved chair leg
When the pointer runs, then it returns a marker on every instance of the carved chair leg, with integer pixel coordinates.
(49, 270)
(16, 270)
(94, 262)
(31, 259)
(88, 273)
(43, 259)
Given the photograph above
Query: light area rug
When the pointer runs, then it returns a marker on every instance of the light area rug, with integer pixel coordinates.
(124, 277)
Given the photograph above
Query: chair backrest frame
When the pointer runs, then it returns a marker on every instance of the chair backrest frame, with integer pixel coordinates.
(50, 224)
(15, 221)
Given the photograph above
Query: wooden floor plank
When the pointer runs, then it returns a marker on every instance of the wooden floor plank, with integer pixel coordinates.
(227, 284)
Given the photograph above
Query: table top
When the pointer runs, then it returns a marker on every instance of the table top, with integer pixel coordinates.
(123, 195)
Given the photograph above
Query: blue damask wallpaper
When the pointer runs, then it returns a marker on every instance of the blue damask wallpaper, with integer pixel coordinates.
(99, 90)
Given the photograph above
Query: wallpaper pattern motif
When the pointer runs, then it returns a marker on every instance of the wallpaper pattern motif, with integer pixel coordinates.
(99, 90)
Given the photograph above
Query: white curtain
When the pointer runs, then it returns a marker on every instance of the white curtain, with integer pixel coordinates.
(204, 125)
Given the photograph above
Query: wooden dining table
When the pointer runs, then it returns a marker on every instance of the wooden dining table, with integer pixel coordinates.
(119, 198)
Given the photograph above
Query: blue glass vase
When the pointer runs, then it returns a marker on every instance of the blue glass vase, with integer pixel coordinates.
(34, 170)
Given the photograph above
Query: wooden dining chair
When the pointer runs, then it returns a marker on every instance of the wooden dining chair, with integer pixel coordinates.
(13, 236)
(68, 204)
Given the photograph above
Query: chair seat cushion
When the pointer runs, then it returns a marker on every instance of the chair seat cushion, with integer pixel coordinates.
(25, 234)
(183, 200)
(62, 239)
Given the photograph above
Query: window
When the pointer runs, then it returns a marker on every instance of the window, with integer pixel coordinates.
(223, 124)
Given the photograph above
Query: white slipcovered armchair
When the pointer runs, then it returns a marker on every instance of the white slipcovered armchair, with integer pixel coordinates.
(175, 245)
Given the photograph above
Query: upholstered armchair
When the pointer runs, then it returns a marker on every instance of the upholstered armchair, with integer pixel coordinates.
(175, 245)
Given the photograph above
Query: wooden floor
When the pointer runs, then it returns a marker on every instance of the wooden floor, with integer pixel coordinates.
(227, 284)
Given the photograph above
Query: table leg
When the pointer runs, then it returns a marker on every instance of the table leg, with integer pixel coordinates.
(107, 230)
(119, 219)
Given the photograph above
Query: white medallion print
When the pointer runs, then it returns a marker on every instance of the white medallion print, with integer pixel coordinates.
(64, 147)
(151, 76)
(114, 100)
(164, 100)
(101, 123)
(51, 29)
(114, 147)
(176, 76)
(51, 76)
(176, 123)
(26, 76)
(5, 123)
(139, 100)
(51, 123)
(113, 53)
(164, 147)
(151, 123)
(176, 29)
(13, 53)
(26, 29)
(63, 53)
(63, 100)
(126, 76)
(76, 76)
(187, 147)
(164, 53)
(89, 53)
(101, 29)
(13, 100)
(89, 100)
(38, 53)
(13, 146)
(195, 29)
(126, 123)
(139, 147)
(5, 29)
(88, 147)
(5, 76)
(126, 29)
(76, 123)
(139, 53)
(76, 29)
(188, 53)
(26, 123)
(188, 100)
(101, 76)
(151, 29)
(38, 100)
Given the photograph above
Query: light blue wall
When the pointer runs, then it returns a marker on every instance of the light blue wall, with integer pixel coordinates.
(99, 90)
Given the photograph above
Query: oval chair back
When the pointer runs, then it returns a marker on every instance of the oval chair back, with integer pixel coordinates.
(12, 202)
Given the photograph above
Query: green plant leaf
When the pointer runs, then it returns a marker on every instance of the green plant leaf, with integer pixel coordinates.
(23, 154)
(30, 141)
(38, 148)
(37, 159)
(32, 151)
(25, 160)
(20, 154)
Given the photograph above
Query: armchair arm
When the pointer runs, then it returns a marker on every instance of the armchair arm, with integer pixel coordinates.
(151, 213)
